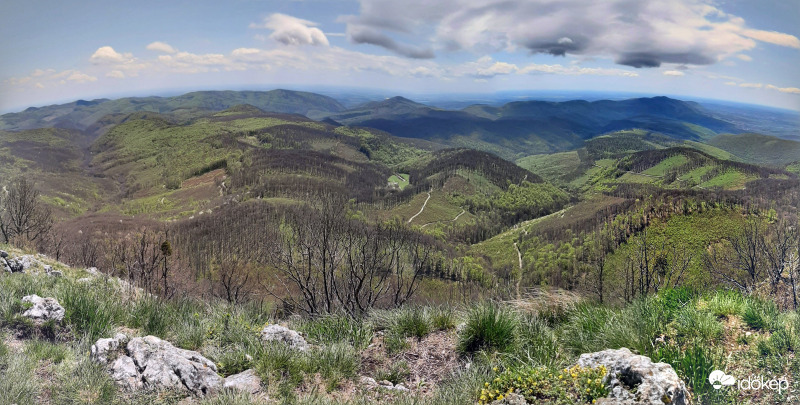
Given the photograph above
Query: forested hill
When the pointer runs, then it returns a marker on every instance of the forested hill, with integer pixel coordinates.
(83, 114)
(526, 127)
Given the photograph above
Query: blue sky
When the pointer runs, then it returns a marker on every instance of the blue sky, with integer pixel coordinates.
(745, 51)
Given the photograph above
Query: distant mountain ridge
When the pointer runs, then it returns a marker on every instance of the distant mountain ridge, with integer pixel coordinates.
(535, 126)
(82, 114)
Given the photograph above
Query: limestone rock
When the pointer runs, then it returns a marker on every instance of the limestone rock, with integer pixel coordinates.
(635, 379)
(15, 266)
(43, 309)
(277, 333)
(163, 365)
(103, 350)
(246, 381)
(149, 362)
(3, 254)
(125, 373)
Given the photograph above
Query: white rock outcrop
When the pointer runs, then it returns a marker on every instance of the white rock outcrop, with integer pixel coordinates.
(635, 379)
(278, 333)
(149, 362)
(43, 309)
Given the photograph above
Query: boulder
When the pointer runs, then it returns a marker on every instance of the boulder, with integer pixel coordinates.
(277, 333)
(4, 266)
(246, 381)
(3, 254)
(15, 266)
(28, 261)
(104, 349)
(43, 309)
(152, 363)
(634, 379)
(126, 374)
(162, 365)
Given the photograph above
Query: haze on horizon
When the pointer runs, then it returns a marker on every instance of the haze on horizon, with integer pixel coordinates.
(735, 50)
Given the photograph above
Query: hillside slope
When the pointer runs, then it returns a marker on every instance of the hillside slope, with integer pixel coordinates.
(759, 149)
(83, 114)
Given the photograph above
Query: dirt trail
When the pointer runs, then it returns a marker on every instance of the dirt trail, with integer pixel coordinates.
(519, 279)
(421, 209)
(447, 220)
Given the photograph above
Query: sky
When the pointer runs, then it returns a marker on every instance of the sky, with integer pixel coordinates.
(736, 50)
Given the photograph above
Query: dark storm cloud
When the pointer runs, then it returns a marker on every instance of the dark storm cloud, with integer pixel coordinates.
(631, 32)
(362, 35)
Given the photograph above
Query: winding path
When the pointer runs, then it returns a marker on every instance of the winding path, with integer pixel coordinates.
(447, 220)
(421, 209)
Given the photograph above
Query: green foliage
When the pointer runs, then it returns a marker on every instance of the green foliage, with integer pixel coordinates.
(411, 323)
(489, 328)
(757, 148)
(91, 309)
(45, 350)
(396, 373)
(693, 363)
(691, 323)
(84, 382)
(760, 315)
(152, 315)
(337, 328)
(542, 385)
(727, 303)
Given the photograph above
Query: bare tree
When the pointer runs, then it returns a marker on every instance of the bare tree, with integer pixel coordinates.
(330, 261)
(655, 266)
(21, 212)
(739, 261)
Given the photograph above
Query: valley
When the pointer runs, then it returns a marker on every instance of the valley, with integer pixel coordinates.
(284, 205)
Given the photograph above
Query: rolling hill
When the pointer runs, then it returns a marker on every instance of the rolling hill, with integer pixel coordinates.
(84, 114)
(525, 127)
(758, 149)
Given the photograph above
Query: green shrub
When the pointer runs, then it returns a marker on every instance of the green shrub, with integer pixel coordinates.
(761, 315)
(693, 363)
(337, 328)
(152, 316)
(411, 323)
(583, 330)
(673, 299)
(691, 323)
(573, 385)
(726, 303)
(91, 310)
(443, 318)
(538, 344)
(489, 328)
(233, 360)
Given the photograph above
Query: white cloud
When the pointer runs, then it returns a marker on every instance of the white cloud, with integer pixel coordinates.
(751, 85)
(575, 70)
(116, 74)
(290, 30)
(673, 73)
(107, 54)
(744, 57)
(731, 84)
(773, 37)
(162, 47)
(41, 78)
(81, 77)
(791, 90)
(632, 33)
